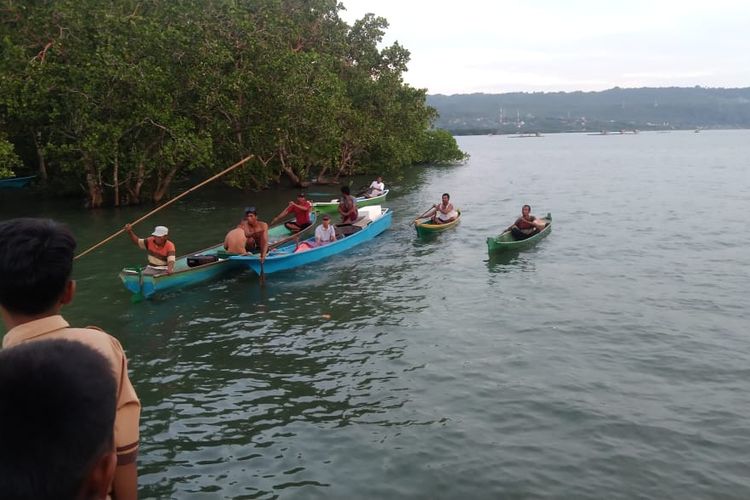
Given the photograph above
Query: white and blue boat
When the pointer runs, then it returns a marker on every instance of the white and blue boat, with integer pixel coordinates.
(372, 221)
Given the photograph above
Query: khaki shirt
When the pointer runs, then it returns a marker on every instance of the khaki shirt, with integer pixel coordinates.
(128, 406)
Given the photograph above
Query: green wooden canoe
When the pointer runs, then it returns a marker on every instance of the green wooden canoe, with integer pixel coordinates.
(506, 241)
(426, 227)
(331, 207)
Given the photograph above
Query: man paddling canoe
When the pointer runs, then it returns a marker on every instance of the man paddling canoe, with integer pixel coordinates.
(376, 188)
(301, 210)
(526, 225)
(444, 212)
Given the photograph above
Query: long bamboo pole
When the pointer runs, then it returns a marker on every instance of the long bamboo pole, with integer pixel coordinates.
(152, 212)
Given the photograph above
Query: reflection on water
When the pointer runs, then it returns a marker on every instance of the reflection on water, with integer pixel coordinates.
(501, 262)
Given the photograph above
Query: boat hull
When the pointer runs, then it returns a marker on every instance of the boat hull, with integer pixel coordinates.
(331, 207)
(149, 285)
(426, 228)
(16, 182)
(285, 258)
(505, 242)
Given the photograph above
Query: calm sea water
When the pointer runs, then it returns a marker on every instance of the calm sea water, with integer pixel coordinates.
(612, 360)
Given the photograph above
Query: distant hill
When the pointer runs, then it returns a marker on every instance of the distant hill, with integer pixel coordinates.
(610, 110)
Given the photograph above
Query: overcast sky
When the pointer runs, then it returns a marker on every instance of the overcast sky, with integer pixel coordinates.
(464, 46)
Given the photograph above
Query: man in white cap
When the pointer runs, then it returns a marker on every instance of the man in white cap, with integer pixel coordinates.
(161, 251)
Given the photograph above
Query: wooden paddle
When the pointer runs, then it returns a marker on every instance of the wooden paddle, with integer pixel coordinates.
(152, 212)
(425, 213)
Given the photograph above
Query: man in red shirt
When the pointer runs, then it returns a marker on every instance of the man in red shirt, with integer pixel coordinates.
(161, 251)
(301, 210)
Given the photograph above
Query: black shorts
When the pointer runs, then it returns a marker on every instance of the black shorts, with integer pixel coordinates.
(300, 226)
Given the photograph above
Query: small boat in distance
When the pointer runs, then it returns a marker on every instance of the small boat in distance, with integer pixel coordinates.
(506, 241)
(525, 135)
(330, 207)
(426, 227)
(16, 182)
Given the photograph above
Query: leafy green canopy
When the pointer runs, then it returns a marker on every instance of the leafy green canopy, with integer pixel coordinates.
(123, 97)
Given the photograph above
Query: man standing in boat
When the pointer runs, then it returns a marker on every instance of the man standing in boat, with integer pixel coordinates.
(161, 251)
(347, 206)
(444, 212)
(301, 211)
(256, 232)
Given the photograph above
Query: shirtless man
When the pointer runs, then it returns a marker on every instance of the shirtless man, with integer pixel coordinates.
(235, 240)
(256, 232)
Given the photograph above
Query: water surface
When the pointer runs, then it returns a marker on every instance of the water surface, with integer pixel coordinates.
(609, 361)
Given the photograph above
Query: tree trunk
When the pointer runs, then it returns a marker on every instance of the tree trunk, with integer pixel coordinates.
(163, 183)
(289, 171)
(345, 159)
(134, 190)
(94, 186)
(116, 180)
(42, 162)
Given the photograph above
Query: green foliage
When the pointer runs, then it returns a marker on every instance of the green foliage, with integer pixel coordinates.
(123, 97)
(440, 147)
(8, 159)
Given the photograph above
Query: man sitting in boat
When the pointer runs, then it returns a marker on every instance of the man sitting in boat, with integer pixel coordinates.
(347, 206)
(376, 188)
(301, 210)
(235, 240)
(325, 233)
(444, 212)
(256, 233)
(526, 225)
(161, 251)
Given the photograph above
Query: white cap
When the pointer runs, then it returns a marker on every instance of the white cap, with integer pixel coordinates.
(160, 231)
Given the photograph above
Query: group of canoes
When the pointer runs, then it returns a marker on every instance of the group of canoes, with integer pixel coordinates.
(296, 242)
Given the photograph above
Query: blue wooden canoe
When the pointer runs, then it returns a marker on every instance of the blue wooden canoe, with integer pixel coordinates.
(184, 275)
(149, 285)
(372, 221)
(16, 182)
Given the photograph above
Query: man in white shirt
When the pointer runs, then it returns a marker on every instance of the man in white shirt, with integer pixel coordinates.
(376, 188)
(325, 233)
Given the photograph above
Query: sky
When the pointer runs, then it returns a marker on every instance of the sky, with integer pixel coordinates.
(465, 46)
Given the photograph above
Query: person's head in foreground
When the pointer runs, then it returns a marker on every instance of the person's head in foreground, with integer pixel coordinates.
(57, 412)
(36, 261)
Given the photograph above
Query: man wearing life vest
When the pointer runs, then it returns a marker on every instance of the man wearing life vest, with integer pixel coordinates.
(161, 251)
